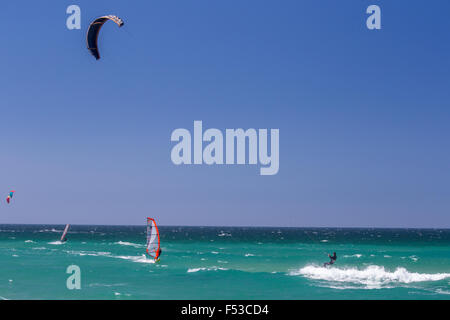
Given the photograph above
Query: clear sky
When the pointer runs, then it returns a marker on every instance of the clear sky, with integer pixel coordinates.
(364, 116)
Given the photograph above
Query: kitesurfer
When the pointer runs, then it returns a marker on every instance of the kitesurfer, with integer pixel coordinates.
(332, 260)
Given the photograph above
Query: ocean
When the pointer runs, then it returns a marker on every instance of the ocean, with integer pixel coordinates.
(225, 263)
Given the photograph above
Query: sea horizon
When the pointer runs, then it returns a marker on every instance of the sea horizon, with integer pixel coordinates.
(229, 226)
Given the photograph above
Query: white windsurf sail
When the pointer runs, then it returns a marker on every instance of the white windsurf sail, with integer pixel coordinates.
(153, 243)
(66, 229)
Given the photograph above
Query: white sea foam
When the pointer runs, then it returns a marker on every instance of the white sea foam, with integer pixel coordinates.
(130, 244)
(139, 259)
(440, 291)
(358, 255)
(205, 269)
(92, 285)
(50, 230)
(119, 294)
(372, 277)
(56, 243)
(29, 241)
(249, 255)
(90, 253)
(101, 253)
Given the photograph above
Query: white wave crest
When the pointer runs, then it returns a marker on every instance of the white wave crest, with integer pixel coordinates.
(357, 255)
(50, 230)
(139, 259)
(205, 269)
(119, 294)
(440, 291)
(90, 253)
(93, 285)
(56, 243)
(372, 277)
(130, 244)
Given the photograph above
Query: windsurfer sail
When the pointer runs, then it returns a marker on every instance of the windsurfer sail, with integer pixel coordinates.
(66, 229)
(153, 242)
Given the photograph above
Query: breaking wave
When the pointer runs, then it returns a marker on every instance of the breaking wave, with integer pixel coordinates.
(372, 277)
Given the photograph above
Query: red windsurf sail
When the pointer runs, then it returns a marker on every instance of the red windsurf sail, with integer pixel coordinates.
(66, 229)
(153, 242)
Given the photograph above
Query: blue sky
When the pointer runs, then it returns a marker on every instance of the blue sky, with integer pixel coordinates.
(363, 115)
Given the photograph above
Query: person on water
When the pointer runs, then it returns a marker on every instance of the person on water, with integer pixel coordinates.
(158, 254)
(332, 260)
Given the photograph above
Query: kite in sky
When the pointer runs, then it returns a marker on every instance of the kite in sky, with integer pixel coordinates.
(10, 196)
(94, 30)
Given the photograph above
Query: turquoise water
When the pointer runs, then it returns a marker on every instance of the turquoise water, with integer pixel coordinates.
(225, 263)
